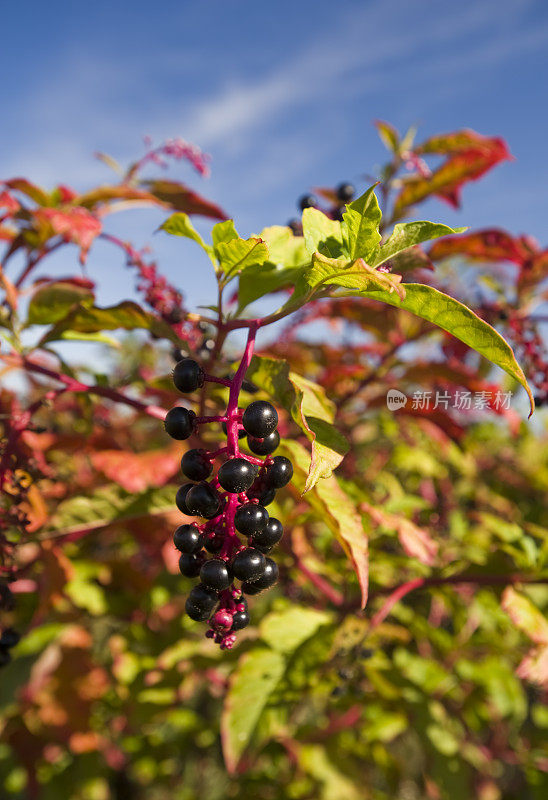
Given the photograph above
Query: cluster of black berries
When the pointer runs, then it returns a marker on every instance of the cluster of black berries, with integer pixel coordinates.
(337, 198)
(233, 505)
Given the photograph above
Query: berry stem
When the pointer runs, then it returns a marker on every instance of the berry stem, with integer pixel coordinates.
(233, 448)
(213, 379)
(206, 420)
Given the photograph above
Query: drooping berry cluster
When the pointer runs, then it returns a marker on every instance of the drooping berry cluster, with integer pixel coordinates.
(232, 504)
(336, 200)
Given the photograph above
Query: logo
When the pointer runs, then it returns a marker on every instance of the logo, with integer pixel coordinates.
(395, 399)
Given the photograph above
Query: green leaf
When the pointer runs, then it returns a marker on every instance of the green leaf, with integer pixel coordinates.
(237, 254)
(126, 315)
(287, 256)
(315, 761)
(260, 673)
(458, 320)
(258, 280)
(179, 224)
(310, 408)
(525, 615)
(286, 630)
(321, 233)
(388, 135)
(252, 682)
(224, 232)
(407, 234)
(360, 226)
(283, 247)
(108, 505)
(325, 274)
(52, 302)
(337, 511)
(102, 338)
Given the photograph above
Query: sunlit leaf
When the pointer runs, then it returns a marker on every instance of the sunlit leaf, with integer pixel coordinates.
(408, 234)
(310, 408)
(338, 512)
(360, 226)
(52, 302)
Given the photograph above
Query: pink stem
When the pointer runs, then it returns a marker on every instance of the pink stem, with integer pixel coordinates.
(233, 447)
(73, 385)
(207, 420)
(400, 592)
(222, 381)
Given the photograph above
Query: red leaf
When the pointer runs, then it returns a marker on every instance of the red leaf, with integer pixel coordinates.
(486, 245)
(470, 155)
(107, 194)
(136, 472)
(9, 203)
(36, 193)
(75, 224)
(458, 142)
(416, 542)
(181, 198)
(66, 194)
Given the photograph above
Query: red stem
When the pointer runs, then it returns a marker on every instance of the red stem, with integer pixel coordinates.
(398, 593)
(74, 385)
(233, 447)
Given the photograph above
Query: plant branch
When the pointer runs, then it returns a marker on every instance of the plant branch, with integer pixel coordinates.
(74, 385)
(395, 594)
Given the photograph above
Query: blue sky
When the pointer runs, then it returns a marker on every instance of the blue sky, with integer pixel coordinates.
(281, 94)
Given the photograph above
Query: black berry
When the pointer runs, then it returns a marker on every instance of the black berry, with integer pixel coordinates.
(307, 201)
(295, 226)
(189, 565)
(237, 475)
(267, 579)
(5, 657)
(187, 539)
(215, 574)
(175, 315)
(203, 596)
(180, 498)
(6, 597)
(271, 534)
(196, 465)
(250, 518)
(9, 638)
(203, 501)
(179, 422)
(241, 432)
(240, 620)
(248, 564)
(264, 494)
(197, 613)
(260, 418)
(214, 544)
(188, 375)
(345, 192)
(279, 473)
(266, 446)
